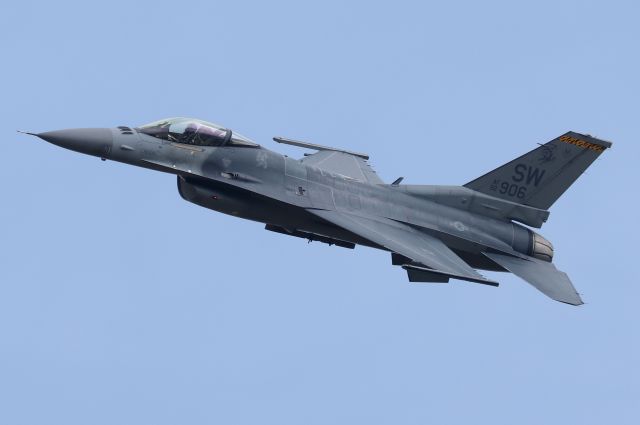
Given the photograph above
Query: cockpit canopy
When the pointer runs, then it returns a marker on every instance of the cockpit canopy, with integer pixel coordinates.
(192, 131)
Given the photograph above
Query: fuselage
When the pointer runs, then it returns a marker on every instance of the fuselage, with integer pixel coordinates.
(258, 184)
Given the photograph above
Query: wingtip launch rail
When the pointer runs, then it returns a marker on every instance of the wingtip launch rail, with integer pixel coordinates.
(313, 146)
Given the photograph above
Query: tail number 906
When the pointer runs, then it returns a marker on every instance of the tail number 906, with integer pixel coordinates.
(512, 189)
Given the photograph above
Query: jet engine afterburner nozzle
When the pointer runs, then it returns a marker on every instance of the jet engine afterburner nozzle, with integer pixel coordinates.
(541, 248)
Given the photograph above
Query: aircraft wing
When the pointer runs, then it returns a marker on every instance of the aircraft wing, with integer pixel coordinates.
(541, 275)
(430, 256)
(349, 164)
(344, 163)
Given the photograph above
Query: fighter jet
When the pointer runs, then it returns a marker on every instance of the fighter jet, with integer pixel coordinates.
(332, 195)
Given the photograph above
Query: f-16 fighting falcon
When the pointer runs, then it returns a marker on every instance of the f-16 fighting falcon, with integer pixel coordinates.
(435, 233)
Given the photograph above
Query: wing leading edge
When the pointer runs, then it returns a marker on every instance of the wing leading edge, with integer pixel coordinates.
(432, 255)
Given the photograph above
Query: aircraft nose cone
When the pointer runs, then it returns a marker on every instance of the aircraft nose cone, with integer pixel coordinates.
(90, 141)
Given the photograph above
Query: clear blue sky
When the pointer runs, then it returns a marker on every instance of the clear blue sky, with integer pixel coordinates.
(120, 303)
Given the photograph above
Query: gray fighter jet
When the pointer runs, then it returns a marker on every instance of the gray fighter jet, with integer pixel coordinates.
(435, 233)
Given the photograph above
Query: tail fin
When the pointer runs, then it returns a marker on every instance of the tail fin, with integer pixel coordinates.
(540, 177)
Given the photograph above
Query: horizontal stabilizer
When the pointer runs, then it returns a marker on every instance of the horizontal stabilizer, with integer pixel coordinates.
(541, 275)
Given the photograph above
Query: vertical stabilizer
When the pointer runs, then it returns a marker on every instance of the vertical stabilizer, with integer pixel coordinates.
(540, 177)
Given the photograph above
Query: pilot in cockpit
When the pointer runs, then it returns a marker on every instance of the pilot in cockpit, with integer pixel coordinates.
(189, 134)
(194, 132)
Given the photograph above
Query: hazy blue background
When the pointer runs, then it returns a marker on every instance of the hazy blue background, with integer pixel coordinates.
(120, 303)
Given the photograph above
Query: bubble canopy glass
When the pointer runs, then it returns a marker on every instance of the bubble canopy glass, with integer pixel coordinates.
(192, 131)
